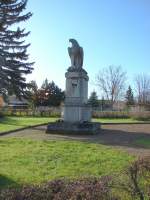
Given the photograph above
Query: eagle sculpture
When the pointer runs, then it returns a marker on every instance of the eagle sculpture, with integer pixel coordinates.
(76, 54)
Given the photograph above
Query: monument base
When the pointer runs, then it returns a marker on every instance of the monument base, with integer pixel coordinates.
(76, 113)
(73, 128)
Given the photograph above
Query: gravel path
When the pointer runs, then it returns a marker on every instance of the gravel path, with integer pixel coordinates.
(122, 136)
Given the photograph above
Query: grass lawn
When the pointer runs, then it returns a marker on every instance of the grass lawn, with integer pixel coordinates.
(24, 161)
(12, 123)
(143, 142)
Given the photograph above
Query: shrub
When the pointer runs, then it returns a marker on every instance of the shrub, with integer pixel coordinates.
(110, 114)
(136, 180)
(1, 113)
(142, 115)
(44, 112)
(89, 189)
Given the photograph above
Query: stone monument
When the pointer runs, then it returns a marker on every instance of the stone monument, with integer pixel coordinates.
(76, 112)
(76, 108)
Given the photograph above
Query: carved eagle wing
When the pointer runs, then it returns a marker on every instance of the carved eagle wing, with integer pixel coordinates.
(69, 51)
(82, 55)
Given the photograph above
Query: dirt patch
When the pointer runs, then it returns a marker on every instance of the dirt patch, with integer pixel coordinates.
(122, 136)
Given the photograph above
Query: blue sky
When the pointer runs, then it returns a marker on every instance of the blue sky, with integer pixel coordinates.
(111, 32)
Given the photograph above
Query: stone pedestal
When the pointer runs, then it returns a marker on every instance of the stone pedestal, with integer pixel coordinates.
(76, 112)
(73, 128)
(76, 108)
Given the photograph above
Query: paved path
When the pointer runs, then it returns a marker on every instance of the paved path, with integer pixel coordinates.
(118, 136)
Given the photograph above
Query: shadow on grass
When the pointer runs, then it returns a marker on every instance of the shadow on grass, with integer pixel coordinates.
(121, 138)
(108, 136)
(6, 182)
(9, 121)
(127, 136)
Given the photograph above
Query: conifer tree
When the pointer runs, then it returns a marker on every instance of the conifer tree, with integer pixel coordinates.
(54, 93)
(93, 99)
(129, 97)
(14, 63)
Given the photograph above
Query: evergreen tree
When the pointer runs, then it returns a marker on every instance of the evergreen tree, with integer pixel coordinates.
(102, 103)
(129, 97)
(32, 92)
(13, 50)
(55, 95)
(93, 99)
(45, 84)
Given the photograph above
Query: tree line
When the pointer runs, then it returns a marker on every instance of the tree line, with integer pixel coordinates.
(49, 94)
(111, 83)
(14, 66)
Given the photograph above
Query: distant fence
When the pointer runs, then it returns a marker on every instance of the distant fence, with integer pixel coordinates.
(110, 114)
(122, 114)
(37, 112)
(56, 112)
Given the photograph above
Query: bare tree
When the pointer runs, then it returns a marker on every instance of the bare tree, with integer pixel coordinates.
(111, 81)
(142, 86)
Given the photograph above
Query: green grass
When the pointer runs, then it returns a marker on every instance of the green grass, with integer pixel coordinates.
(12, 123)
(143, 142)
(32, 162)
(118, 120)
